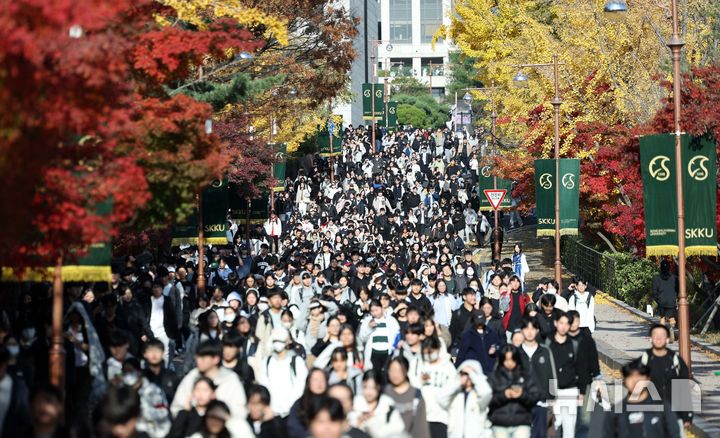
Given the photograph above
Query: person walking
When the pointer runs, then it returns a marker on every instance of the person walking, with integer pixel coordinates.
(467, 398)
(514, 395)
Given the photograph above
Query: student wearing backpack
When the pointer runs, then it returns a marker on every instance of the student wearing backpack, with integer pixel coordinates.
(283, 373)
(666, 365)
(408, 399)
(571, 382)
(638, 415)
(583, 302)
(538, 360)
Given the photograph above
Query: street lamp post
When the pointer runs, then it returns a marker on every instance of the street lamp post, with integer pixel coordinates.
(493, 118)
(619, 7)
(675, 44)
(522, 78)
(374, 45)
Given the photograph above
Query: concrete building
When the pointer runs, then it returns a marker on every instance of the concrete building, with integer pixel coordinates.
(368, 13)
(409, 26)
(405, 29)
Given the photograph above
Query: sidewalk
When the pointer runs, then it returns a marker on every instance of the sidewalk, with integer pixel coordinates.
(620, 335)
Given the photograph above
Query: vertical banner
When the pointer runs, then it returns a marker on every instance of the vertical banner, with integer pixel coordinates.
(186, 233)
(485, 182)
(239, 206)
(391, 116)
(95, 264)
(215, 204)
(545, 196)
(279, 165)
(367, 91)
(657, 166)
(323, 140)
(700, 186)
(569, 196)
(699, 167)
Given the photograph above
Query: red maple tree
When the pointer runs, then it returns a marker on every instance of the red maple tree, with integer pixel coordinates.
(86, 118)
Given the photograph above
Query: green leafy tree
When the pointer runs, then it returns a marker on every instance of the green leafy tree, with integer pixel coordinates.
(434, 114)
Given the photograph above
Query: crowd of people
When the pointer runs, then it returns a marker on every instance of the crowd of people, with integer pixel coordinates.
(359, 309)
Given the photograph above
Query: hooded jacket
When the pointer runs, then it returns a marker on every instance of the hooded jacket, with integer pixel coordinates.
(475, 346)
(468, 416)
(505, 412)
(665, 290)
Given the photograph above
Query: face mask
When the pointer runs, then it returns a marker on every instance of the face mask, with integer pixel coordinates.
(278, 346)
(14, 350)
(470, 272)
(130, 379)
(29, 333)
(287, 325)
(460, 271)
(432, 357)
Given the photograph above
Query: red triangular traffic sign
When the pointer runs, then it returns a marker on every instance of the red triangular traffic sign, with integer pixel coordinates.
(495, 197)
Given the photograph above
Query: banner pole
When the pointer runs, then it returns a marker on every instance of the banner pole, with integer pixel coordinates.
(57, 350)
(675, 46)
(201, 249)
(556, 102)
(496, 230)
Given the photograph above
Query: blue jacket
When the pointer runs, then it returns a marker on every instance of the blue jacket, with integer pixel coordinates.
(474, 345)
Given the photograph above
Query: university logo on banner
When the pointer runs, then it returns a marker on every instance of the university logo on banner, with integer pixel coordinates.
(657, 162)
(279, 165)
(569, 191)
(379, 101)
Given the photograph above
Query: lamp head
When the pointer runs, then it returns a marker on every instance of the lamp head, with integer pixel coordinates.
(615, 9)
(467, 98)
(520, 79)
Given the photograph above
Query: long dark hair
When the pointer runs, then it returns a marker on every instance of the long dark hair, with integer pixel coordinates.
(305, 401)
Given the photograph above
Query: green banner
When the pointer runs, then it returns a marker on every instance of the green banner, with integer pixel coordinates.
(545, 196)
(93, 266)
(215, 205)
(569, 196)
(485, 182)
(699, 181)
(279, 165)
(657, 166)
(239, 207)
(323, 140)
(569, 181)
(391, 116)
(186, 233)
(367, 90)
(657, 161)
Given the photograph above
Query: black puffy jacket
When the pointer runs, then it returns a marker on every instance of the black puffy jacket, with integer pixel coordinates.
(505, 412)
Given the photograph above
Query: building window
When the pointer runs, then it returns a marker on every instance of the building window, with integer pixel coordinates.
(401, 21)
(430, 19)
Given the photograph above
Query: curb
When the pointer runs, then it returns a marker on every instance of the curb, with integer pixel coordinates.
(615, 359)
(693, 340)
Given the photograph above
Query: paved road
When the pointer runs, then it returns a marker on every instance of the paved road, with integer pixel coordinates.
(623, 331)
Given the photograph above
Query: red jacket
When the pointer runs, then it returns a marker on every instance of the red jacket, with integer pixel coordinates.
(524, 301)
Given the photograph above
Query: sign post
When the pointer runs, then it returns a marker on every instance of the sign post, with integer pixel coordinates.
(331, 130)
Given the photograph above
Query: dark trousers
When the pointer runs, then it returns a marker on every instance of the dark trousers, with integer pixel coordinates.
(379, 361)
(539, 422)
(438, 430)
